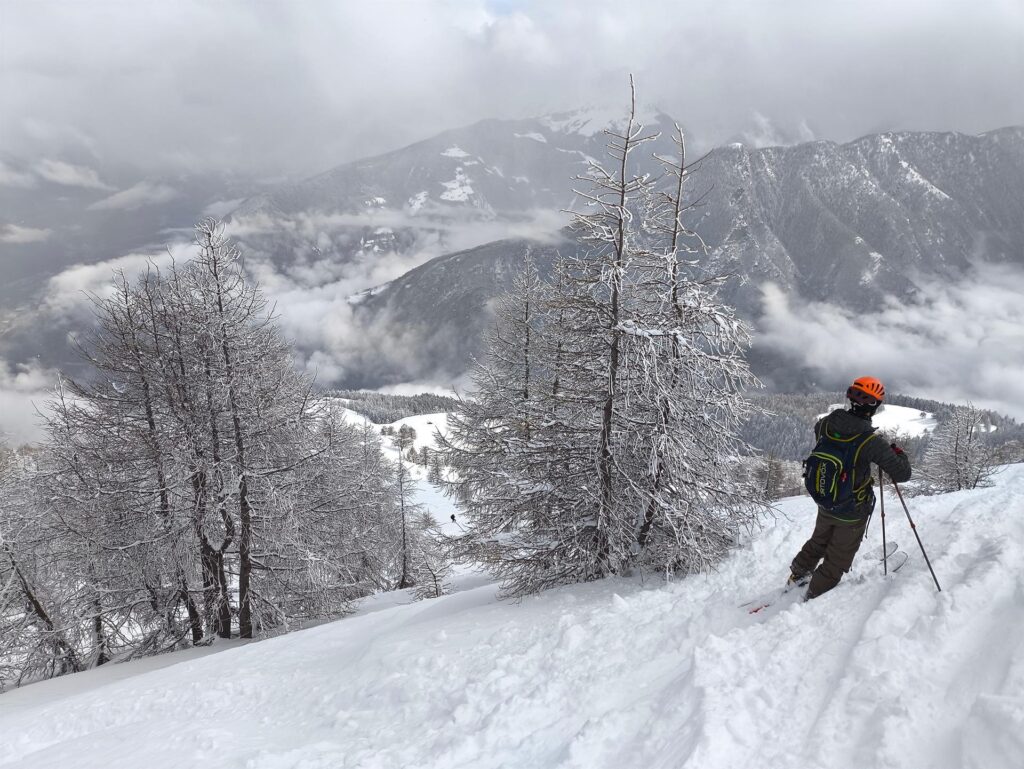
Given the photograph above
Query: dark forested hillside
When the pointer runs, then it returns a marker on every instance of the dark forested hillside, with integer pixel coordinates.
(381, 408)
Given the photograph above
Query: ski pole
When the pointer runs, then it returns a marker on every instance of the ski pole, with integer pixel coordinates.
(881, 506)
(912, 526)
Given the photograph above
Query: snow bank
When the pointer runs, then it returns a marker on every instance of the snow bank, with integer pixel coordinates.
(881, 672)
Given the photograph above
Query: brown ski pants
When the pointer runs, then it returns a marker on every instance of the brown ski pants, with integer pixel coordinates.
(834, 543)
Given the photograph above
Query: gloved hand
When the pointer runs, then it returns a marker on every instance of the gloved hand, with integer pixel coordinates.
(895, 449)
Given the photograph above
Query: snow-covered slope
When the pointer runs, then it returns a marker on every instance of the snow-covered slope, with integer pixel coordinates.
(881, 672)
(428, 496)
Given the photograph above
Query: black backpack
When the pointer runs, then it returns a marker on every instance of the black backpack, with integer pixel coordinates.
(828, 471)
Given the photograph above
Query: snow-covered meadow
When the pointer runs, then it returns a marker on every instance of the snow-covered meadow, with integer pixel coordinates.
(898, 421)
(881, 672)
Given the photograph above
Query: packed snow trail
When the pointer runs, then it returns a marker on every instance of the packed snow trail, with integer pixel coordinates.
(880, 672)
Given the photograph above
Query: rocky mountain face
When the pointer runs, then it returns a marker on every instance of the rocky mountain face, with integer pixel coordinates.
(851, 224)
(460, 189)
(442, 310)
(854, 223)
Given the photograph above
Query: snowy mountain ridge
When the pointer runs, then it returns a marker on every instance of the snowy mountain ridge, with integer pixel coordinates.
(885, 217)
(625, 674)
(490, 169)
(860, 225)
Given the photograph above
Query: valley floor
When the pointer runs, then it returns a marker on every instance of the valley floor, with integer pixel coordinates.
(881, 672)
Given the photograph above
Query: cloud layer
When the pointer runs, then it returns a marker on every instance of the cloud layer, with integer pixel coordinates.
(68, 175)
(24, 391)
(959, 341)
(141, 194)
(315, 289)
(296, 87)
(13, 233)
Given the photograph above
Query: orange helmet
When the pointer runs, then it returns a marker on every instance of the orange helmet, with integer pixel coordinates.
(866, 388)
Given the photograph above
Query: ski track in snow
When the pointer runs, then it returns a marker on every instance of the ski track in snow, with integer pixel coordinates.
(880, 672)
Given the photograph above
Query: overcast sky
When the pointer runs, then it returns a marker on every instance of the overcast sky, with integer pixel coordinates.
(277, 89)
(297, 87)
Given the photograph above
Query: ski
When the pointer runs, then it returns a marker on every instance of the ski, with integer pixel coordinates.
(762, 602)
(893, 558)
(876, 554)
(897, 560)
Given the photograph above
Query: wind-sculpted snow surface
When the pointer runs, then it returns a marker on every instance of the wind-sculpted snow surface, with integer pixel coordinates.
(881, 672)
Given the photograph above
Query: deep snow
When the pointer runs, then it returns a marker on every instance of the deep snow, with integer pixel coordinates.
(881, 672)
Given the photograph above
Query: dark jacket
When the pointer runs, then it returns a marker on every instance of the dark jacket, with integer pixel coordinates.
(875, 449)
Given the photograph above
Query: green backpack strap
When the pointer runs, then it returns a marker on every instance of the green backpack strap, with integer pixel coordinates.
(856, 455)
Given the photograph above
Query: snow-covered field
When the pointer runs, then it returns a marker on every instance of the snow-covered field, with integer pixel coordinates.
(881, 672)
(898, 420)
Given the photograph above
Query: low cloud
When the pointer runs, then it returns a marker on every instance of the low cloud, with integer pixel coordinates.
(959, 341)
(764, 133)
(457, 228)
(24, 389)
(312, 287)
(68, 175)
(142, 194)
(67, 292)
(12, 233)
(314, 298)
(315, 286)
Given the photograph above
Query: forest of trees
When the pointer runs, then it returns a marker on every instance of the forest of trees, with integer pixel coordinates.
(193, 485)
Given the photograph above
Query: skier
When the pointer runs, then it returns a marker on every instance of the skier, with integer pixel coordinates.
(837, 535)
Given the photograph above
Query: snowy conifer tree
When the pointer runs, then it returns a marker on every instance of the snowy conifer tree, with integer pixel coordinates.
(38, 626)
(616, 451)
(959, 454)
(196, 477)
(685, 351)
(503, 447)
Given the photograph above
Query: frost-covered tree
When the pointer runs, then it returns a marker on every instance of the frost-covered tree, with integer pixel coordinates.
(406, 437)
(599, 433)
(960, 454)
(176, 450)
(38, 631)
(435, 473)
(193, 467)
(505, 446)
(432, 559)
(685, 401)
(403, 498)
(420, 559)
